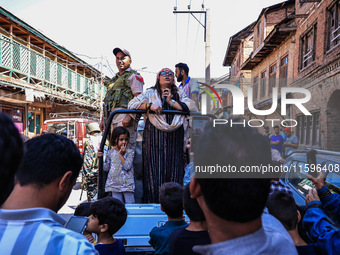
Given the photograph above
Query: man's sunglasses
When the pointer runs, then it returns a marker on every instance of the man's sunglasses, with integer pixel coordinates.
(164, 73)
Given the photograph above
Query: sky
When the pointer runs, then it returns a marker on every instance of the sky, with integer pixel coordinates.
(149, 30)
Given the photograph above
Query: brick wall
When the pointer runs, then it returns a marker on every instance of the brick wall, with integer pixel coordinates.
(322, 77)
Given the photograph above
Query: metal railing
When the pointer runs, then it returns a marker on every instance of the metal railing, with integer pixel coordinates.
(26, 63)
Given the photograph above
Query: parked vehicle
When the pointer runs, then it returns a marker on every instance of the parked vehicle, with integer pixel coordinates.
(72, 125)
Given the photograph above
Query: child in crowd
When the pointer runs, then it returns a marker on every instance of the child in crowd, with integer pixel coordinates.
(282, 206)
(119, 164)
(83, 209)
(182, 240)
(171, 200)
(108, 215)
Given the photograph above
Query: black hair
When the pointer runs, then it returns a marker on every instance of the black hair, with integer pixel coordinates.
(191, 206)
(110, 211)
(171, 199)
(282, 206)
(276, 127)
(11, 154)
(237, 200)
(116, 134)
(83, 209)
(184, 67)
(48, 157)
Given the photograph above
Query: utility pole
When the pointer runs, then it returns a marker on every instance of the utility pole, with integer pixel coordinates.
(207, 47)
(206, 27)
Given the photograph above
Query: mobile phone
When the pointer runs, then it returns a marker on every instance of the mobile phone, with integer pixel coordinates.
(77, 223)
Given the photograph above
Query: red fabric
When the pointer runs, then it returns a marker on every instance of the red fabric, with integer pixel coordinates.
(140, 79)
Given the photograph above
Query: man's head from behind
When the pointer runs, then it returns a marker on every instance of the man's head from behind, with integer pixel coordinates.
(11, 154)
(107, 215)
(83, 209)
(181, 71)
(238, 200)
(171, 199)
(191, 206)
(282, 206)
(49, 159)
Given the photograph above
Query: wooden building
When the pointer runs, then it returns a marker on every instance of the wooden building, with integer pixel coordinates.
(39, 77)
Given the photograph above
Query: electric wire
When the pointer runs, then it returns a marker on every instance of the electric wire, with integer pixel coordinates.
(109, 67)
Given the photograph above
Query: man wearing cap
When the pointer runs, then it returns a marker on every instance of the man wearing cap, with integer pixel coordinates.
(292, 142)
(90, 164)
(124, 86)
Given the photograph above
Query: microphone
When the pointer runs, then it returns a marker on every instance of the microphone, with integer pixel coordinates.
(164, 98)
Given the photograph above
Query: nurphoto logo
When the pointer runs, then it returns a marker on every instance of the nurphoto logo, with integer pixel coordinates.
(238, 107)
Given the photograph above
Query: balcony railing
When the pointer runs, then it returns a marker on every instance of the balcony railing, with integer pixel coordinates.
(36, 68)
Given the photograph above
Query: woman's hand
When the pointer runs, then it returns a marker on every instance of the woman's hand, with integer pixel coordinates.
(156, 108)
(168, 95)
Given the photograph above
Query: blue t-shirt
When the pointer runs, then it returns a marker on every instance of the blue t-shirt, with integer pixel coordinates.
(292, 139)
(116, 248)
(275, 138)
(159, 236)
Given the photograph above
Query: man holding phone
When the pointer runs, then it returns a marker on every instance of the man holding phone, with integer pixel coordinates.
(29, 223)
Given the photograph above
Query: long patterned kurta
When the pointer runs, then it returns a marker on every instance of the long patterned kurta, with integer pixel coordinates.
(162, 149)
(120, 177)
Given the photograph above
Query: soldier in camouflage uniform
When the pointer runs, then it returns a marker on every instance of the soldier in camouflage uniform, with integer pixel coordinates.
(126, 85)
(90, 165)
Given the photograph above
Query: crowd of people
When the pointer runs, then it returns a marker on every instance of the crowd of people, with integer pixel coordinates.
(282, 144)
(227, 215)
(164, 137)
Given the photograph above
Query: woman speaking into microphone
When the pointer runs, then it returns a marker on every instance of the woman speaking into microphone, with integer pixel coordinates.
(163, 134)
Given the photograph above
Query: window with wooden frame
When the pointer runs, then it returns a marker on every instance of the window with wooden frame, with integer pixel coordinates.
(263, 84)
(307, 49)
(255, 88)
(308, 129)
(272, 78)
(283, 71)
(333, 26)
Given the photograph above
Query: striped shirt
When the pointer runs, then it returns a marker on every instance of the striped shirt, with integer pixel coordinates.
(39, 231)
